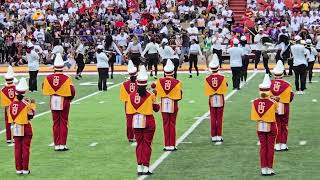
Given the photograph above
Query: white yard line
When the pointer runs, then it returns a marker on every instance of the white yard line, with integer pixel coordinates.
(76, 101)
(190, 130)
(93, 144)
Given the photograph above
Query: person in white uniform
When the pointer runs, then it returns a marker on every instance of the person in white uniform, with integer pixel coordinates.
(311, 56)
(33, 59)
(300, 63)
(245, 60)
(152, 49)
(236, 54)
(103, 68)
(194, 51)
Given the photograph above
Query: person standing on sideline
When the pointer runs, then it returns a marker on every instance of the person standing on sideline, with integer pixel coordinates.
(33, 65)
(169, 90)
(258, 43)
(194, 52)
(103, 68)
(236, 54)
(20, 113)
(112, 50)
(283, 90)
(166, 52)
(141, 104)
(80, 51)
(134, 51)
(153, 56)
(126, 88)
(7, 95)
(263, 111)
(245, 58)
(216, 46)
(300, 64)
(61, 91)
(311, 56)
(216, 87)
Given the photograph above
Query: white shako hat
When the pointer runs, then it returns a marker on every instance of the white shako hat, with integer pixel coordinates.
(9, 76)
(22, 87)
(278, 69)
(58, 62)
(169, 68)
(132, 70)
(142, 78)
(266, 83)
(214, 63)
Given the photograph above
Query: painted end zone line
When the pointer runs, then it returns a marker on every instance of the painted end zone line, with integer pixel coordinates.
(80, 99)
(189, 131)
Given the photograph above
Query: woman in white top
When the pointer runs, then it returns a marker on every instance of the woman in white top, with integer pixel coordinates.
(245, 59)
(33, 65)
(80, 51)
(194, 51)
(103, 68)
(311, 56)
(153, 56)
(166, 52)
(283, 52)
(112, 49)
(134, 51)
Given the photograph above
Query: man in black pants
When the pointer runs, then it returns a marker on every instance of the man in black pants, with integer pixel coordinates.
(258, 43)
(80, 59)
(236, 53)
(300, 64)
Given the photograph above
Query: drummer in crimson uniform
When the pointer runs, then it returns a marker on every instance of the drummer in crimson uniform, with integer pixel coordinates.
(7, 95)
(141, 104)
(263, 111)
(169, 90)
(126, 88)
(61, 91)
(216, 87)
(20, 112)
(282, 89)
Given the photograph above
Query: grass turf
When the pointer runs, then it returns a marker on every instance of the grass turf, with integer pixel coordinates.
(114, 158)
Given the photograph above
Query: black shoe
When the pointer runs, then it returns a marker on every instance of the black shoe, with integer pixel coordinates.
(64, 149)
(80, 75)
(105, 90)
(197, 73)
(77, 78)
(140, 173)
(190, 76)
(111, 76)
(272, 174)
(175, 149)
(238, 88)
(151, 75)
(310, 82)
(148, 173)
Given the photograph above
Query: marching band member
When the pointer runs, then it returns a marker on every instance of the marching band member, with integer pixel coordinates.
(236, 54)
(61, 91)
(7, 95)
(20, 113)
(263, 111)
(126, 88)
(311, 56)
(282, 89)
(169, 90)
(216, 87)
(33, 59)
(103, 68)
(300, 64)
(245, 59)
(153, 56)
(141, 104)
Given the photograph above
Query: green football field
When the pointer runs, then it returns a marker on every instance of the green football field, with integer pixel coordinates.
(99, 149)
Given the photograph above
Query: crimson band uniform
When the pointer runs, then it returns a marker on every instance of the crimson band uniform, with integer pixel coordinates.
(283, 90)
(7, 95)
(20, 113)
(263, 111)
(126, 88)
(216, 87)
(61, 91)
(169, 90)
(141, 108)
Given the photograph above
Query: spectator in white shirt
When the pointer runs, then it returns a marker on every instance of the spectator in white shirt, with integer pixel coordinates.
(279, 5)
(194, 52)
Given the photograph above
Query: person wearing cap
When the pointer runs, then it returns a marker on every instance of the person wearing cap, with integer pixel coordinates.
(266, 43)
(245, 60)
(166, 52)
(113, 50)
(141, 104)
(194, 52)
(258, 43)
(283, 32)
(216, 87)
(33, 59)
(263, 112)
(153, 56)
(282, 89)
(134, 50)
(236, 54)
(126, 88)
(300, 63)
(61, 91)
(283, 51)
(216, 46)
(311, 56)
(103, 68)
(7, 95)
(193, 31)
(169, 90)
(20, 113)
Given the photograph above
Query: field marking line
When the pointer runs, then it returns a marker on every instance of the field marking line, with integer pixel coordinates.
(93, 144)
(302, 143)
(186, 142)
(190, 130)
(73, 102)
